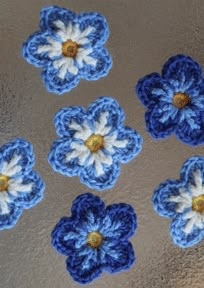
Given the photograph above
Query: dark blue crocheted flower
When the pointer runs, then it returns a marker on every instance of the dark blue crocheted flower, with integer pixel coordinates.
(95, 238)
(68, 46)
(20, 186)
(175, 100)
(93, 142)
(183, 200)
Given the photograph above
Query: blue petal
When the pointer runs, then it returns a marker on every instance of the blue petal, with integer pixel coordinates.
(55, 84)
(161, 196)
(65, 116)
(152, 89)
(133, 147)
(105, 181)
(191, 165)
(50, 14)
(181, 238)
(30, 49)
(197, 97)
(182, 72)
(57, 158)
(101, 32)
(104, 64)
(119, 223)
(9, 220)
(29, 199)
(116, 115)
(20, 147)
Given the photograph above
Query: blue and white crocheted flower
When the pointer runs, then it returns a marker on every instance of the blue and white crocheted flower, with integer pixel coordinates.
(175, 100)
(95, 238)
(93, 142)
(20, 186)
(68, 47)
(183, 200)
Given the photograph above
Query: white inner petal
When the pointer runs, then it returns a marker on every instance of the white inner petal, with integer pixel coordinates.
(79, 151)
(16, 186)
(198, 188)
(11, 168)
(83, 131)
(4, 200)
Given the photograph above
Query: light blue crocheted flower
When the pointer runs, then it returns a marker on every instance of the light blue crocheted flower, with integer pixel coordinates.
(93, 142)
(20, 186)
(175, 100)
(95, 238)
(183, 200)
(68, 46)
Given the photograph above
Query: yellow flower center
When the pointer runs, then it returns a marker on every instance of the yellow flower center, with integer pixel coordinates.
(3, 182)
(95, 142)
(198, 203)
(70, 48)
(180, 99)
(94, 239)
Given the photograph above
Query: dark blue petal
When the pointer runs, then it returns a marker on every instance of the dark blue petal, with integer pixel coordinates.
(55, 84)
(119, 223)
(105, 181)
(191, 165)
(104, 64)
(181, 238)
(161, 196)
(152, 89)
(65, 116)
(133, 147)
(20, 147)
(9, 220)
(100, 35)
(182, 72)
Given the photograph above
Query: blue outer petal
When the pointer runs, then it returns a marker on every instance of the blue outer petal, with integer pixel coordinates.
(103, 104)
(133, 147)
(119, 223)
(57, 157)
(191, 165)
(27, 200)
(181, 238)
(64, 117)
(9, 220)
(182, 72)
(104, 64)
(55, 84)
(100, 35)
(30, 47)
(21, 147)
(152, 89)
(161, 196)
(105, 181)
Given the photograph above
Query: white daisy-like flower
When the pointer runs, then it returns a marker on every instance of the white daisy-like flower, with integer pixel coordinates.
(194, 201)
(97, 143)
(69, 46)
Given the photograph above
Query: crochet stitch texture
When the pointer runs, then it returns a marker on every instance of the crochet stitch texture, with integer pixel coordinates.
(68, 47)
(183, 200)
(95, 238)
(93, 142)
(20, 186)
(175, 100)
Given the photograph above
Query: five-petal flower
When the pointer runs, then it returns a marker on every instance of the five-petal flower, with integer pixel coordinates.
(92, 143)
(68, 47)
(183, 200)
(20, 186)
(95, 238)
(175, 100)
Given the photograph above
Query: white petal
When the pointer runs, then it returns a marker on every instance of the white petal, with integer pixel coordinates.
(85, 33)
(71, 67)
(99, 168)
(83, 132)
(82, 153)
(4, 200)
(100, 125)
(198, 188)
(15, 186)
(75, 32)
(111, 141)
(60, 62)
(189, 214)
(189, 225)
(84, 54)
(90, 60)
(105, 159)
(11, 168)
(54, 48)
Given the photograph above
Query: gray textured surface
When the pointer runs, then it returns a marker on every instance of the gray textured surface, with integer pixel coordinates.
(144, 34)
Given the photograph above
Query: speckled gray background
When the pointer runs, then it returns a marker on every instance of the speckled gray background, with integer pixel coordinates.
(144, 33)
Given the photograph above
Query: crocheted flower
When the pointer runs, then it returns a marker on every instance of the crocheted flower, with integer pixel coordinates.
(95, 238)
(93, 142)
(183, 200)
(20, 186)
(68, 47)
(175, 100)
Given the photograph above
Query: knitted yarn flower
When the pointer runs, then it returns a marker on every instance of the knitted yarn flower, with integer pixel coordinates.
(95, 238)
(175, 100)
(20, 186)
(93, 142)
(183, 200)
(68, 47)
